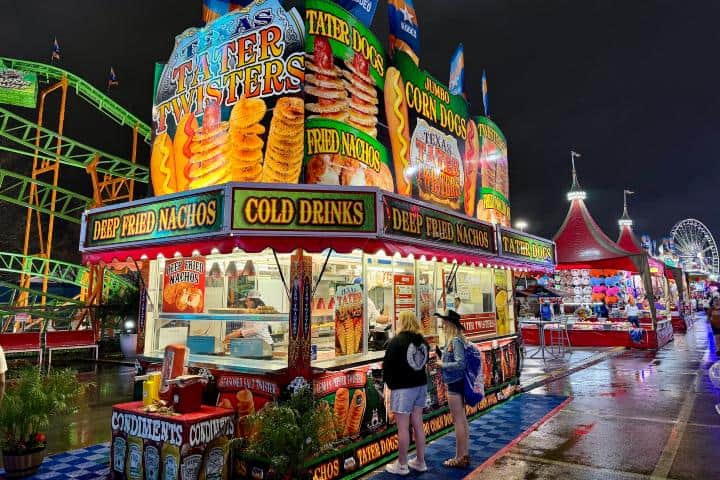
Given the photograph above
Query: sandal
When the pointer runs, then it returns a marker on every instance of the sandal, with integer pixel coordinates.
(463, 462)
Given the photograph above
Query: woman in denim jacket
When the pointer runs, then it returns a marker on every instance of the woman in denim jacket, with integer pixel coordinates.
(452, 365)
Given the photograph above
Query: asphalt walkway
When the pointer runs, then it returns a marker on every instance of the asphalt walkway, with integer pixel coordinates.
(636, 415)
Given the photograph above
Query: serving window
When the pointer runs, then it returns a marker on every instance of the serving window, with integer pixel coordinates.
(233, 309)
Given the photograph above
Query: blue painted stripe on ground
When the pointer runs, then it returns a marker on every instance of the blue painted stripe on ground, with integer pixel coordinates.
(489, 434)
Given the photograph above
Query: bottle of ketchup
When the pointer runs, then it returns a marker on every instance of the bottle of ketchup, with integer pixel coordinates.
(173, 366)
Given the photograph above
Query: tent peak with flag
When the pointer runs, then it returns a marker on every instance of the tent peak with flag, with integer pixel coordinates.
(581, 243)
(580, 240)
(627, 239)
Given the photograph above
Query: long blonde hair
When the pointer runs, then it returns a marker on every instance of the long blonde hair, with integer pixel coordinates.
(408, 322)
(452, 331)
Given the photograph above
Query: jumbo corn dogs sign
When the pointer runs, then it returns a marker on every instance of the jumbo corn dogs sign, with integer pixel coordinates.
(228, 105)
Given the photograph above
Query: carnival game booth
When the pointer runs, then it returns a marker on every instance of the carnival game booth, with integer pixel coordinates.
(265, 283)
(595, 268)
(667, 291)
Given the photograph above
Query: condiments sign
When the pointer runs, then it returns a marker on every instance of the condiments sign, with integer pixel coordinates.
(304, 210)
(526, 247)
(412, 221)
(178, 217)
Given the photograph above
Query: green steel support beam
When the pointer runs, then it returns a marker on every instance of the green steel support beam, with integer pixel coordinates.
(62, 272)
(51, 299)
(24, 133)
(84, 90)
(15, 189)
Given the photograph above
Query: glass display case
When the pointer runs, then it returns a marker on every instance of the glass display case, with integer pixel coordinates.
(232, 310)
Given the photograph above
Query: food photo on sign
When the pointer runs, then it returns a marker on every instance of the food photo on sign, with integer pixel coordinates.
(345, 66)
(228, 104)
(184, 285)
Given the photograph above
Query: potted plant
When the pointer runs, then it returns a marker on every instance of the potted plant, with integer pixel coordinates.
(30, 402)
(287, 434)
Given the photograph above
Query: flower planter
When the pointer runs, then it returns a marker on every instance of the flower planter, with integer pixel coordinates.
(23, 464)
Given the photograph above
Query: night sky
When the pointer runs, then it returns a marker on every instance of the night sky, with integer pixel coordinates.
(632, 86)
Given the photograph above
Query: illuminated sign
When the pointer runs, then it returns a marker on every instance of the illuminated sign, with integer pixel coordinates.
(416, 222)
(526, 247)
(18, 88)
(494, 204)
(228, 103)
(189, 215)
(304, 210)
(428, 129)
(345, 65)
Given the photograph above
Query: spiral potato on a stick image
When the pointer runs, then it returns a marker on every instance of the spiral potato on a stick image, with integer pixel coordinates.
(285, 145)
(246, 155)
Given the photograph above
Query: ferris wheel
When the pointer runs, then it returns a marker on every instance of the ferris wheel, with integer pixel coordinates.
(695, 246)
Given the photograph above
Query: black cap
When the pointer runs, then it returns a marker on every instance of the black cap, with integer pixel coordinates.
(452, 317)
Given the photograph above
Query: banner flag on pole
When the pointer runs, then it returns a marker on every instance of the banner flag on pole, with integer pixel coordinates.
(404, 29)
(55, 51)
(213, 9)
(485, 92)
(112, 79)
(457, 72)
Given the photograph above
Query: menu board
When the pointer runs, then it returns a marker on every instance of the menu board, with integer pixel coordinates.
(348, 320)
(494, 204)
(228, 104)
(184, 285)
(345, 65)
(403, 295)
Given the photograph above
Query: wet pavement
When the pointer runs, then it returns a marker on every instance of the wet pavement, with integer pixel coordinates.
(108, 384)
(636, 415)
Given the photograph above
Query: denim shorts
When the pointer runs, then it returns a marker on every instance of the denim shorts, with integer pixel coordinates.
(403, 400)
(457, 387)
(634, 321)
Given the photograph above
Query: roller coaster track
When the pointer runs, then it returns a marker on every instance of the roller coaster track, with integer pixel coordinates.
(73, 153)
(15, 188)
(84, 90)
(62, 272)
(50, 299)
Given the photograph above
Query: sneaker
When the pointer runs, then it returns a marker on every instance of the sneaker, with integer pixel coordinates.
(397, 469)
(416, 465)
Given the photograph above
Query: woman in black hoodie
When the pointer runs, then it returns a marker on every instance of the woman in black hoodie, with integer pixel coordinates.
(404, 374)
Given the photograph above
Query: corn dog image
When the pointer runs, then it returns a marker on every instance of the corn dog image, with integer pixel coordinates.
(341, 406)
(355, 414)
(396, 111)
(162, 165)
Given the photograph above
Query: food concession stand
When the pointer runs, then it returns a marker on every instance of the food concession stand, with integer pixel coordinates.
(308, 190)
(318, 257)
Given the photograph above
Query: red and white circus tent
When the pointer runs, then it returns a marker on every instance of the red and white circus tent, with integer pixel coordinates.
(581, 243)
